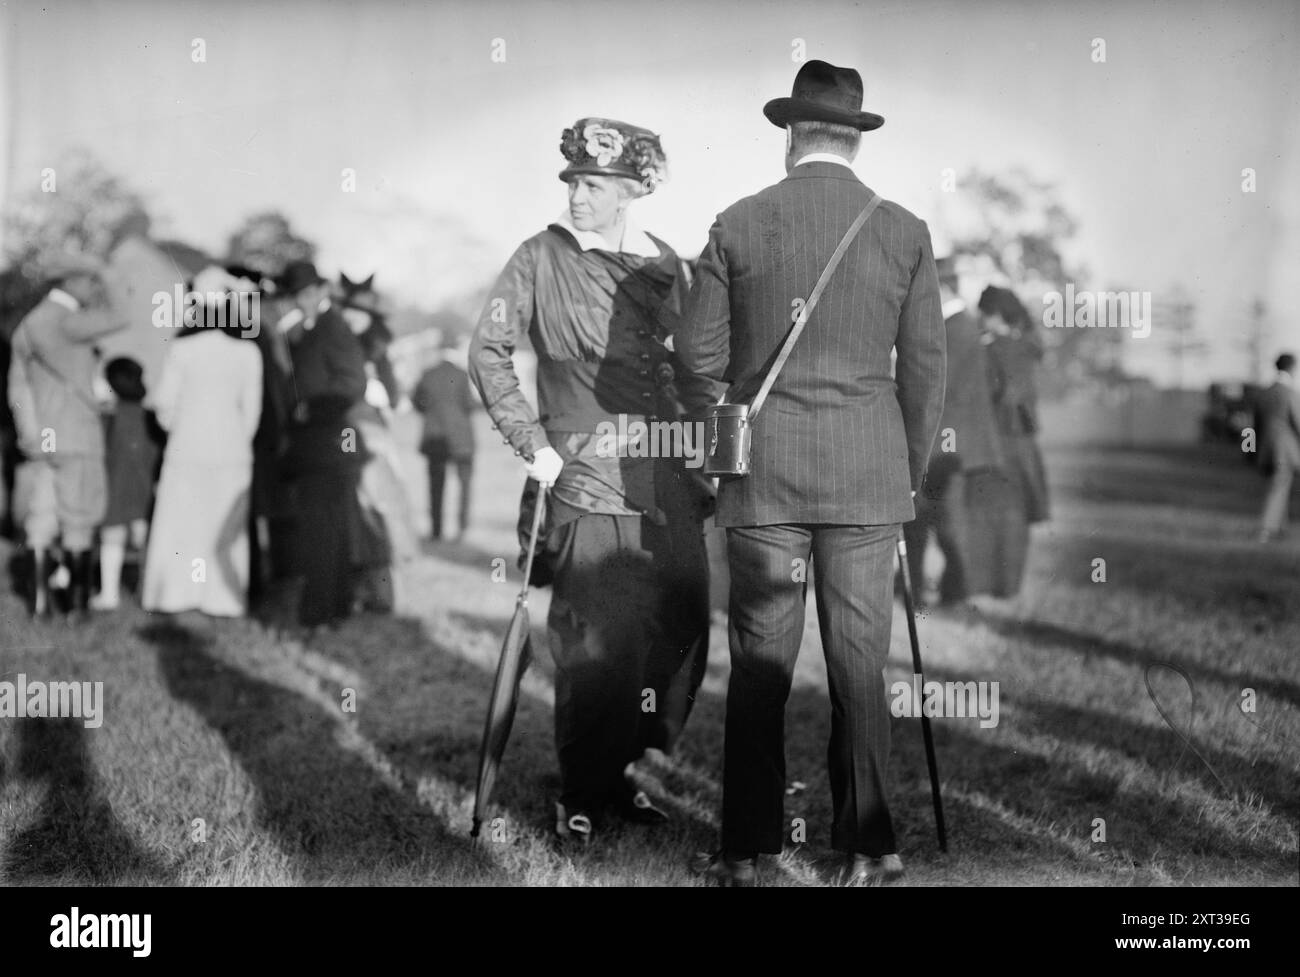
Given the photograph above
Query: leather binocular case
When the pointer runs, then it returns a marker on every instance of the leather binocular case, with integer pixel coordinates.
(727, 432)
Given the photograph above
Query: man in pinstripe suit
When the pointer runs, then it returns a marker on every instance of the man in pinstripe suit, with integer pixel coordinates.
(838, 454)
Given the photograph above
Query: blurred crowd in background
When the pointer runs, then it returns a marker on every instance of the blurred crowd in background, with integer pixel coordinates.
(221, 435)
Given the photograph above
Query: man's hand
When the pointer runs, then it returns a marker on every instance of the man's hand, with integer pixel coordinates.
(545, 466)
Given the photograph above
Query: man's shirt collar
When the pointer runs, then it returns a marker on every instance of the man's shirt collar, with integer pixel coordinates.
(824, 158)
(635, 240)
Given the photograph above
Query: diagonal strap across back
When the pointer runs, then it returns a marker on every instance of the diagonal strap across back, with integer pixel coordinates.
(811, 304)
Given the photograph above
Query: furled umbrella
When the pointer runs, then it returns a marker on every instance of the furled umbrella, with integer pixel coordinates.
(516, 652)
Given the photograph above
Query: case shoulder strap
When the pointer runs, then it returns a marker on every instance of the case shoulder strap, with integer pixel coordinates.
(811, 304)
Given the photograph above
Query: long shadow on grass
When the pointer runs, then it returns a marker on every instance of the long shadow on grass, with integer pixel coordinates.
(426, 704)
(1041, 633)
(76, 836)
(1034, 800)
(326, 807)
(422, 705)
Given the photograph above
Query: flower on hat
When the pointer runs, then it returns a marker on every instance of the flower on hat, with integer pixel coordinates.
(605, 144)
(617, 148)
(647, 158)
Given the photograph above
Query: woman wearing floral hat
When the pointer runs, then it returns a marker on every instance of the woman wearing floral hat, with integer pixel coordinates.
(599, 299)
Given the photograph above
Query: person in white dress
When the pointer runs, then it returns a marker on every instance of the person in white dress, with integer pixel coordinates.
(208, 399)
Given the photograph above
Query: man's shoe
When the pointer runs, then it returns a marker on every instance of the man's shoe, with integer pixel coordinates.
(729, 870)
(866, 871)
(572, 827)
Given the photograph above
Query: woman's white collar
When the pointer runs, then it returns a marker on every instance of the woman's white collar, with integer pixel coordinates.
(635, 240)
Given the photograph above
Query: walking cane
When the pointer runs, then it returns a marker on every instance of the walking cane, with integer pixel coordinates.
(916, 667)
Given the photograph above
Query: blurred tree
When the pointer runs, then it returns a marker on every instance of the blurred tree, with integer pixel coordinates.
(1012, 229)
(266, 243)
(1019, 223)
(1175, 324)
(80, 206)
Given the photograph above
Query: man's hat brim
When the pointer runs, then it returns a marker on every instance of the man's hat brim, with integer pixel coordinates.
(782, 111)
(298, 275)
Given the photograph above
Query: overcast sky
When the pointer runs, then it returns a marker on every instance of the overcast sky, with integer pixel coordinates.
(456, 154)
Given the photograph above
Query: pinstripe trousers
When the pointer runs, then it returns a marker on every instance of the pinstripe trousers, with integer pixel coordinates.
(853, 585)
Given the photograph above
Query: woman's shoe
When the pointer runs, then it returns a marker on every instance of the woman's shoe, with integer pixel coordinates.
(573, 828)
(104, 602)
(639, 809)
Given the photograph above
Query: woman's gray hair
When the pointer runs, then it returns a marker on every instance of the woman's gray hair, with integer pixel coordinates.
(628, 188)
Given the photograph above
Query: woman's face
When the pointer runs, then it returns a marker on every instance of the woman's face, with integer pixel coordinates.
(594, 202)
(358, 321)
(996, 325)
(310, 299)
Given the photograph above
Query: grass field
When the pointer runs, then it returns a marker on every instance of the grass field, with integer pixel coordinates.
(219, 721)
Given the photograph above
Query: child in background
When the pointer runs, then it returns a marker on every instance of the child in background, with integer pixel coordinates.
(132, 461)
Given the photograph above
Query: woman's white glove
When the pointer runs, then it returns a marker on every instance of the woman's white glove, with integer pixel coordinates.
(545, 466)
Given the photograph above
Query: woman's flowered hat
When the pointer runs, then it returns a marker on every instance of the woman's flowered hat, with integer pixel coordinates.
(611, 148)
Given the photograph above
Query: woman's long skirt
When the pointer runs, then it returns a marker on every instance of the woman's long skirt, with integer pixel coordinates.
(198, 555)
(325, 539)
(997, 533)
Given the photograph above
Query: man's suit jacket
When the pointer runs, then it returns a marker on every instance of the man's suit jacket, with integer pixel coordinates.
(1280, 413)
(968, 401)
(839, 440)
(443, 396)
(51, 379)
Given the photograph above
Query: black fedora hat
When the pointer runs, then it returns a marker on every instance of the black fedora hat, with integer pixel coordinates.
(297, 276)
(823, 93)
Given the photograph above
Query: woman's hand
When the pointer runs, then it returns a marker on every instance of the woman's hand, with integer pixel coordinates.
(545, 466)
